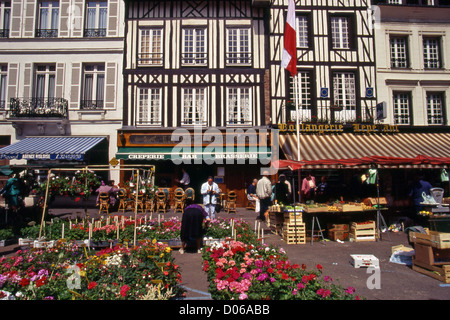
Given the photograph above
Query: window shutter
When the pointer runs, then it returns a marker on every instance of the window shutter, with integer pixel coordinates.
(16, 19)
(27, 81)
(13, 69)
(59, 92)
(29, 19)
(110, 89)
(75, 87)
(65, 18)
(113, 18)
(77, 18)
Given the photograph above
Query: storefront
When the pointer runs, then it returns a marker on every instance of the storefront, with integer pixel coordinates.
(234, 161)
(346, 154)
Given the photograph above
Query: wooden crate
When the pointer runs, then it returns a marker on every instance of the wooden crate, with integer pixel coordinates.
(441, 273)
(431, 256)
(291, 238)
(435, 239)
(337, 235)
(363, 225)
(338, 227)
(292, 227)
(351, 207)
(291, 217)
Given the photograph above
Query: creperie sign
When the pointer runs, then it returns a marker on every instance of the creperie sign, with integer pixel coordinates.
(338, 128)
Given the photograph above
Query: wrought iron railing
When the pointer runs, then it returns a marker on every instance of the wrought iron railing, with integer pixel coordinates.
(4, 33)
(46, 33)
(91, 104)
(95, 33)
(38, 107)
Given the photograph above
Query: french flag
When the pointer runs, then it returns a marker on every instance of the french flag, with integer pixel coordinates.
(289, 58)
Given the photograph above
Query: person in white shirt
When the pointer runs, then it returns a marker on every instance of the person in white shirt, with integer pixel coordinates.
(264, 193)
(210, 191)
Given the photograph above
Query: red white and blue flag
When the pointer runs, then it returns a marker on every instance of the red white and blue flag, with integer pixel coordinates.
(289, 57)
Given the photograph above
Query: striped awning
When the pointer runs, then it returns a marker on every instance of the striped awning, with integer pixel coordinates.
(388, 150)
(50, 148)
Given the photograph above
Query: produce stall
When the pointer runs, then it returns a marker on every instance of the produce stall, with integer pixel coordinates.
(290, 221)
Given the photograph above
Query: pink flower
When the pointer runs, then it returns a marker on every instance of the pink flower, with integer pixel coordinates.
(350, 290)
(124, 289)
(243, 296)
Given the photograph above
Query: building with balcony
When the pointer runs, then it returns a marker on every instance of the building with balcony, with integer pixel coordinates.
(61, 72)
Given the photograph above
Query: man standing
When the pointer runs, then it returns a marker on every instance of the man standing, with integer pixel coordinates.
(264, 192)
(210, 191)
(251, 195)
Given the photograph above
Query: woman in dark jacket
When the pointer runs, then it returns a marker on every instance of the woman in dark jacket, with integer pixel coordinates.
(192, 225)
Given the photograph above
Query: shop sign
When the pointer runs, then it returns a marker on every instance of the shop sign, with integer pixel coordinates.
(375, 128)
(311, 128)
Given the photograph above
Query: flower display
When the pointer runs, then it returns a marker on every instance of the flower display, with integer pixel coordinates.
(238, 270)
(71, 272)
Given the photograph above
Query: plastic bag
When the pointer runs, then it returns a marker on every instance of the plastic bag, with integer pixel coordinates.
(402, 257)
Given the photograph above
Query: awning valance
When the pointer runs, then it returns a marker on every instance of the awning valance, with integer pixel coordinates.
(181, 153)
(50, 148)
(346, 149)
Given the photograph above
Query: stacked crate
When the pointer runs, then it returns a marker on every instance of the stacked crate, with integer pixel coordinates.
(363, 231)
(432, 254)
(294, 230)
(338, 232)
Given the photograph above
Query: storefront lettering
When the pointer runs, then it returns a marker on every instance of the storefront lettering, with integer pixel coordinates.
(374, 128)
(311, 128)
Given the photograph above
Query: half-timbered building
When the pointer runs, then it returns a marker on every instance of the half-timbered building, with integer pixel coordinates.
(195, 66)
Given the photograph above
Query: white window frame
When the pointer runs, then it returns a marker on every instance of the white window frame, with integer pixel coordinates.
(435, 108)
(194, 48)
(150, 47)
(344, 86)
(239, 106)
(302, 31)
(149, 107)
(52, 9)
(47, 74)
(3, 86)
(401, 101)
(304, 96)
(431, 53)
(398, 47)
(239, 46)
(194, 106)
(98, 7)
(97, 71)
(340, 32)
(5, 18)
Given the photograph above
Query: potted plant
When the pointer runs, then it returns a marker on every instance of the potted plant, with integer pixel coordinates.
(6, 235)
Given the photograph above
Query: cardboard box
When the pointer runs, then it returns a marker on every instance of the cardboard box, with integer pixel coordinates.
(338, 227)
(337, 235)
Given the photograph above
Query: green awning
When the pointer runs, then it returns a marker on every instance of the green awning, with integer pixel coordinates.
(177, 153)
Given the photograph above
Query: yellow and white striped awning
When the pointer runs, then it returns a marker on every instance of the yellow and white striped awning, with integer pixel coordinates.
(387, 150)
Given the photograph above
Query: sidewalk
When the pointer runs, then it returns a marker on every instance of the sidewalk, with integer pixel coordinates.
(398, 282)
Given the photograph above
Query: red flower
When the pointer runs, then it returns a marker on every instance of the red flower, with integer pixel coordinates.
(319, 267)
(303, 266)
(92, 285)
(41, 282)
(123, 290)
(24, 282)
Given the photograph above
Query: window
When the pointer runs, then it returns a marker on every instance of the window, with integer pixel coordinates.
(304, 97)
(96, 14)
(394, 1)
(194, 47)
(194, 106)
(44, 88)
(5, 15)
(340, 32)
(302, 32)
(239, 106)
(93, 87)
(238, 46)
(402, 107)
(149, 106)
(344, 96)
(48, 19)
(431, 53)
(150, 48)
(435, 108)
(399, 54)
(3, 85)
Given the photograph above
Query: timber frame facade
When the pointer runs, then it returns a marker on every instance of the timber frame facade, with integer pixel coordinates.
(336, 62)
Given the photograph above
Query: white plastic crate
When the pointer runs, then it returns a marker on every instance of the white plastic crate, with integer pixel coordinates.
(364, 260)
